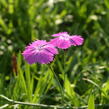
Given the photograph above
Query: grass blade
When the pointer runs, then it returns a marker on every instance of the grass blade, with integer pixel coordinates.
(91, 104)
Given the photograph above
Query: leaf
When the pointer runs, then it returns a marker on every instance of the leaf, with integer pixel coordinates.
(106, 3)
(91, 102)
(105, 88)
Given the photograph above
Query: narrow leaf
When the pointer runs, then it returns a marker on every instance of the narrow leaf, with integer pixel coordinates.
(91, 102)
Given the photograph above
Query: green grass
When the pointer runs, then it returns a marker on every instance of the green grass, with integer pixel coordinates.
(87, 73)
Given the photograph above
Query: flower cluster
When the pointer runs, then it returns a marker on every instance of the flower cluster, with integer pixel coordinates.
(43, 52)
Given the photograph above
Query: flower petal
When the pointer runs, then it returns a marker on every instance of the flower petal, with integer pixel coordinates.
(76, 40)
(60, 43)
(59, 34)
(51, 49)
(39, 51)
(44, 58)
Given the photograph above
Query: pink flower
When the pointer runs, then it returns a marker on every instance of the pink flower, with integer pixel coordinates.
(39, 51)
(63, 40)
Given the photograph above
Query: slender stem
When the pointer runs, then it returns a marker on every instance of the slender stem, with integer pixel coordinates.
(95, 84)
(64, 60)
(64, 73)
(45, 106)
(29, 104)
(64, 66)
(57, 80)
(4, 106)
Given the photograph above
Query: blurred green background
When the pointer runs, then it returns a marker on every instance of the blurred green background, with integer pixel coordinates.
(23, 21)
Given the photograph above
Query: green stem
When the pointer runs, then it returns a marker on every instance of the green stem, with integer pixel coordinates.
(11, 101)
(57, 80)
(64, 73)
(64, 65)
(27, 103)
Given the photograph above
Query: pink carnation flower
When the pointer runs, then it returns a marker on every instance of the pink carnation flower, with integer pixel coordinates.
(63, 40)
(39, 51)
